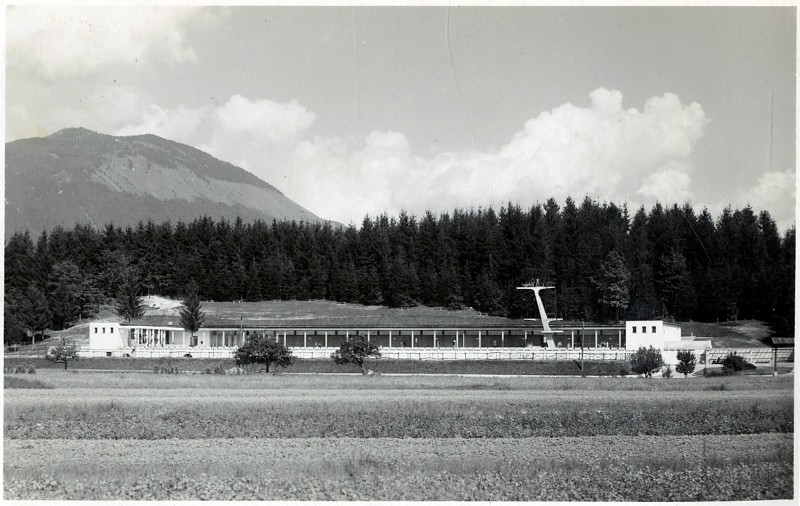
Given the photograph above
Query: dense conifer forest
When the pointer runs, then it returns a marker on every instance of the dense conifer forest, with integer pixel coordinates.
(606, 265)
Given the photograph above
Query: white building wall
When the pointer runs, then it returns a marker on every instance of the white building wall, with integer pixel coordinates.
(646, 333)
(106, 336)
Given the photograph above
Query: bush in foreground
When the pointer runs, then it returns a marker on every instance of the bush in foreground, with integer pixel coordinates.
(686, 363)
(733, 364)
(355, 352)
(261, 349)
(62, 352)
(646, 361)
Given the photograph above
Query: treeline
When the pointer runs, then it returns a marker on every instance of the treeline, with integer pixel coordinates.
(605, 265)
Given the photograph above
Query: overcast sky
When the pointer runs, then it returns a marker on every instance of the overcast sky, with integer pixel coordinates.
(350, 111)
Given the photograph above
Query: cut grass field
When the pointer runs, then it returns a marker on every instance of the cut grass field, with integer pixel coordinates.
(145, 436)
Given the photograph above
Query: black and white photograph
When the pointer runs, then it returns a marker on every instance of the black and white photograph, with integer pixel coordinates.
(463, 252)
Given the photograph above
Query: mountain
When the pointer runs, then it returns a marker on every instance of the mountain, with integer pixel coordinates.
(76, 175)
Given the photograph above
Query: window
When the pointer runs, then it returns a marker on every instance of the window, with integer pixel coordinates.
(644, 329)
(633, 329)
(111, 330)
(654, 329)
(104, 330)
(108, 353)
(95, 330)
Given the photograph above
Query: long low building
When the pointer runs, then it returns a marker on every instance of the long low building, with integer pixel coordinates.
(155, 336)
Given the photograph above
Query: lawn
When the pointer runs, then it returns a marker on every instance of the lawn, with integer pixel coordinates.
(321, 366)
(128, 435)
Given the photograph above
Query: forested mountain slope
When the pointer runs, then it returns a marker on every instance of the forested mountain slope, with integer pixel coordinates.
(78, 176)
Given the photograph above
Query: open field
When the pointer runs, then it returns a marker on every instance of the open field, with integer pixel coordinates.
(561, 468)
(146, 436)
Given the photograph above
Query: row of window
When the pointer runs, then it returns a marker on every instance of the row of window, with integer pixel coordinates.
(644, 329)
(110, 330)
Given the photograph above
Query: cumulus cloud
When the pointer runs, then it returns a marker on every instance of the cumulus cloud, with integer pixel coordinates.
(602, 150)
(95, 106)
(257, 135)
(776, 191)
(55, 41)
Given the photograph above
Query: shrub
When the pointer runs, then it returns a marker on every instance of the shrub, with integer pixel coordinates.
(261, 349)
(355, 352)
(667, 372)
(20, 369)
(734, 363)
(646, 361)
(624, 369)
(686, 363)
(62, 352)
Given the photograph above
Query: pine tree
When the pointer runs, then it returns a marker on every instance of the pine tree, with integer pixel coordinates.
(612, 283)
(192, 316)
(128, 304)
(34, 312)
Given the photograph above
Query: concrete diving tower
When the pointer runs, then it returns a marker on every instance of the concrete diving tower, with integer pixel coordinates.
(547, 331)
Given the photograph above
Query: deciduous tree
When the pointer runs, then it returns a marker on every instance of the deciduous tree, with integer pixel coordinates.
(686, 363)
(261, 349)
(355, 352)
(646, 361)
(62, 352)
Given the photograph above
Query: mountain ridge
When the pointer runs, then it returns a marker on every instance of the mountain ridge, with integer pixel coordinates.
(76, 175)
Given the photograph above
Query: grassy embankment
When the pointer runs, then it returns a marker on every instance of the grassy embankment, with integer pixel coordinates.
(125, 435)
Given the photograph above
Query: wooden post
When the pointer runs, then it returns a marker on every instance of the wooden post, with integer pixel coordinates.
(775, 361)
(572, 338)
(284, 338)
(479, 339)
(595, 339)
(326, 338)
(619, 337)
(583, 330)
(390, 339)
(434, 338)
(305, 339)
(502, 338)
(367, 335)
(412, 338)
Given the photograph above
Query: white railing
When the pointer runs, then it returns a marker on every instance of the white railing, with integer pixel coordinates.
(753, 355)
(386, 353)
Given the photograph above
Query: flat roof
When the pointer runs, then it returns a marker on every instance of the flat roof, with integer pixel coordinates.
(215, 323)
